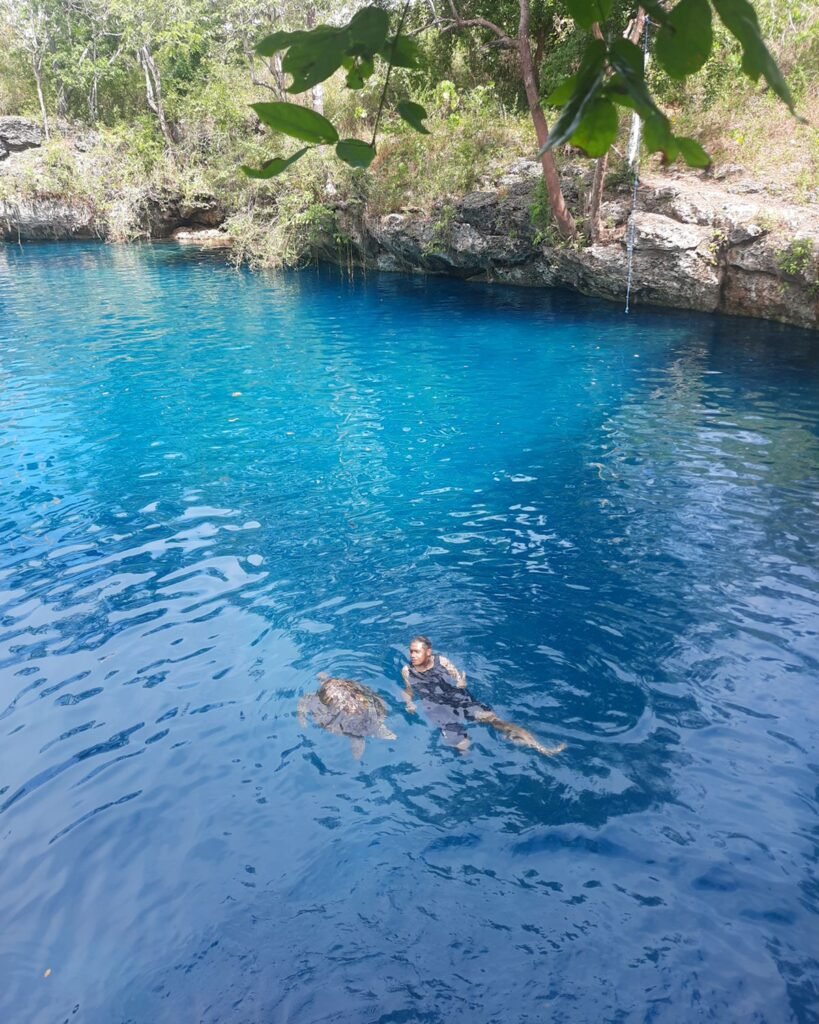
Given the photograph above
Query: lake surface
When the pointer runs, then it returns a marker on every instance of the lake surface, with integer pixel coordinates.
(215, 485)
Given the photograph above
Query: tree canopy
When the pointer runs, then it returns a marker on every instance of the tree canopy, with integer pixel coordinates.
(574, 66)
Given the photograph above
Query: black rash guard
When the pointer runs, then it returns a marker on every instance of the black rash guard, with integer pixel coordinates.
(446, 704)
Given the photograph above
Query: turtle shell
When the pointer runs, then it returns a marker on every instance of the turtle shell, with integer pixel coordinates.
(347, 708)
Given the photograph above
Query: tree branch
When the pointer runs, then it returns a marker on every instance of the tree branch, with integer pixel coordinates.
(461, 23)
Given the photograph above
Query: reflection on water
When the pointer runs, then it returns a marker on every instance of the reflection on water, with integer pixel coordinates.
(216, 485)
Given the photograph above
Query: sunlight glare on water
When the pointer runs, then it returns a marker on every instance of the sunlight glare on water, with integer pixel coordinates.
(215, 485)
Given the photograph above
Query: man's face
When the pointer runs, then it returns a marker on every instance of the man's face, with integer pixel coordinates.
(417, 653)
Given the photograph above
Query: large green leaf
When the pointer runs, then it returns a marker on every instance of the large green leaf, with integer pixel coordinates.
(655, 10)
(658, 137)
(359, 69)
(401, 52)
(413, 114)
(270, 168)
(588, 85)
(281, 40)
(368, 31)
(684, 43)
(296, 121)
(629, 82)
(355, 152)
(587, 12)
(740, 19)
(616, 91)
(271, 44)
(562, 93)
(692, 152)
(598, 129)
(312, 61)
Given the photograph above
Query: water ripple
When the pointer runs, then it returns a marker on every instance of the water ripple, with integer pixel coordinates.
(214, 486)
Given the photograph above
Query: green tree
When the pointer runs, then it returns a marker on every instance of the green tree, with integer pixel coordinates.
(31, 25)
(610, 75)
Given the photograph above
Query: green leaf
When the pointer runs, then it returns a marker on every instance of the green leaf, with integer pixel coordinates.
(281, 40)
(401, 52)
(627, 61)
(296, 121)
(588, 83)
(616, 91)
(658, 137)
(739, 18)
(683, 45)
(359, 70)
(655, 10)
(598, 129)
(413, 114)
(355, 152)
(368, 30)
(271, 44)
(562, 93)
(587, 12)
(692, 152)
(270, 168)
(314, 60)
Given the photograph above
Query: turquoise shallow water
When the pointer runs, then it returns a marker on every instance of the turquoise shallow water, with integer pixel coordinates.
(215, 485)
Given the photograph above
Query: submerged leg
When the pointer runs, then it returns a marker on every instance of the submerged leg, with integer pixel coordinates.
(454, 735)
(516, 734)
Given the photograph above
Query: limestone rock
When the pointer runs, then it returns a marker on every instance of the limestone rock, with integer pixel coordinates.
(18, 133)
(662, 234)
(755, 279)
(521, 171)
(160, 212)
(207, 238)
(41, 218)
(703, 252)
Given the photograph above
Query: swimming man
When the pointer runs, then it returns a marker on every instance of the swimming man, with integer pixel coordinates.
(448, 703)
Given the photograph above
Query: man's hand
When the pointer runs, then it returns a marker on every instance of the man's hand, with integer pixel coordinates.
(410, 707)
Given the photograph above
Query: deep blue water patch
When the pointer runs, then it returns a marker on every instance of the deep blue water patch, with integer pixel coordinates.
(214, 485)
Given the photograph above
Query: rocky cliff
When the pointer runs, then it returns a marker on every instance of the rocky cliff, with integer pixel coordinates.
(721, 246)
(713, 242)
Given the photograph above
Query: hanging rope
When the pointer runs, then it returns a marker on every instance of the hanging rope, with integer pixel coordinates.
(634, 163)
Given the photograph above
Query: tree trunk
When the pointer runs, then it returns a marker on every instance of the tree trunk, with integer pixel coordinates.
(540, 50)
(153, 91)
(565, 221)
(93, 106)
(278, 75)
(91, 98)
(317, 92)
(38, 78)
(595, 229)
(595, 201)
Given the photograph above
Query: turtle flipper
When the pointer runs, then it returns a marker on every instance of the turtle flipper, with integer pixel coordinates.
(357, 745)
(384, 733)
(305, 706)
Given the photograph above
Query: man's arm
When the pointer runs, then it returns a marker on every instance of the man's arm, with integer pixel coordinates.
(459, 677)
(407, 694)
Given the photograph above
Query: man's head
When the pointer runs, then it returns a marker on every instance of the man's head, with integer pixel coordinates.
(419, 650)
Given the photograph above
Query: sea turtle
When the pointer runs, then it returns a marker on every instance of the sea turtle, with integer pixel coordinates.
(347, 708)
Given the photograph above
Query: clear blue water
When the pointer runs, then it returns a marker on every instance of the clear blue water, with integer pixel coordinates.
(214, 485)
